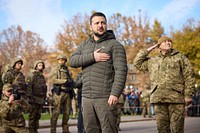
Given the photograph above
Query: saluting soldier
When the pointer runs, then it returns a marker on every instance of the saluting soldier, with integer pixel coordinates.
(172, 83)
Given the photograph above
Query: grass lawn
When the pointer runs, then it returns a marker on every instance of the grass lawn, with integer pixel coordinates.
(44, 116)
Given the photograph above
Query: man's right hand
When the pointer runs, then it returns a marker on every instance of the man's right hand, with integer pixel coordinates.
(188, 100)
(153, 47)
(50, 94)
(100, 57)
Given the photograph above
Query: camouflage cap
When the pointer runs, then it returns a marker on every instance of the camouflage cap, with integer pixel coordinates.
(7, 87)
(62, 57)
(163, 38)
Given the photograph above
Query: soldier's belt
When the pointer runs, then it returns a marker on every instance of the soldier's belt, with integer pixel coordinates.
(66, 85)
(65, 90)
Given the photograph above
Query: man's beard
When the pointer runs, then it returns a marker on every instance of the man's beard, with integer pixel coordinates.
(98, 35)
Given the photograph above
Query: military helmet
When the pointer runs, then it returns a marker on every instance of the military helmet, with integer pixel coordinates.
(15, 60)
(37, 62)
(7, 87)
(62, 57)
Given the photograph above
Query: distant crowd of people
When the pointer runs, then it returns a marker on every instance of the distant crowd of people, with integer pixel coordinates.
(137, 103)
(193, 109)
(131, 101)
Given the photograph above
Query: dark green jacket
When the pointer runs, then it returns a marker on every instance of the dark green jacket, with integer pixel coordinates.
(36, 84)
(171, 76)
(37, 87)
(101, 79)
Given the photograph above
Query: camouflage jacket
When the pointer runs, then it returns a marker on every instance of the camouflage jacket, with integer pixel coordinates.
(171, 76)
(37, 88)
(121, 98)
(145, 95)
(11, 114)
(17, 79)
(60, 76)
(1, 84)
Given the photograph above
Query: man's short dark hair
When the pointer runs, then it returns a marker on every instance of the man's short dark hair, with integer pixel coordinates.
(97, 14)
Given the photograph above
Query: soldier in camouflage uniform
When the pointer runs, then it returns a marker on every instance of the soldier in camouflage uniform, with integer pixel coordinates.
(37, 90)
(78, 84)
(1, 86)
(74, 104)
(14, 76)
(62, 81)
(11, 112)
(120, 104)
(1, 82)
(172, 84)
(146, 102)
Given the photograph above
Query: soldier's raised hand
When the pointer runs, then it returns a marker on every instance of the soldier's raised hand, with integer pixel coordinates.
(153, 47)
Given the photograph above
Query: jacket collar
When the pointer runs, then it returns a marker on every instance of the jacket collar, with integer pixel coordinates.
(171, 52)
(106, 36)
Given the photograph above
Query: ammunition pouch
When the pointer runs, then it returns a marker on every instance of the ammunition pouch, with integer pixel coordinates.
(40, 91)
(65, 90)
(70, 84)
(57, 89)
(72, 93)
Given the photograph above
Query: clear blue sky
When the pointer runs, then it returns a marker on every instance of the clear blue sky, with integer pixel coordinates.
(45, 17)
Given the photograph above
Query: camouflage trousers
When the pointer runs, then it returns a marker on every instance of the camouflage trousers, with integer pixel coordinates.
(170, 117)
(119, 111)
(74, 108)
(146, 109)
(98, 116)
(34, 117)
(11, 129)
(62, 101)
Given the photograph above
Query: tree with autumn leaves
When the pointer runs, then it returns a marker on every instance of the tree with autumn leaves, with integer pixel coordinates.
(15, 42)
(187, 41)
